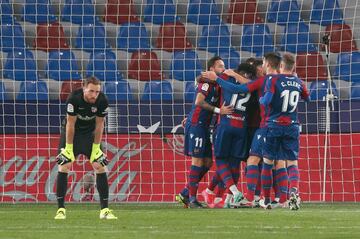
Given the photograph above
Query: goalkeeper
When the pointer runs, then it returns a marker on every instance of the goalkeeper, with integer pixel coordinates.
(81, 134)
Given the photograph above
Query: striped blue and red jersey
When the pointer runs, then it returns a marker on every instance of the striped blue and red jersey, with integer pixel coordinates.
(198, 115)
(239, 101)
(282, 94)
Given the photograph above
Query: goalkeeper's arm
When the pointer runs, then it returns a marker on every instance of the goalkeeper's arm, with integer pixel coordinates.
(96, 153)
(67, 154)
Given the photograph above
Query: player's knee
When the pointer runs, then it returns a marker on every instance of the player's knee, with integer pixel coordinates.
(268, 161)
(291, 163)
(65, 168)
(98, 167)
(197, 161)
(280, 164)
(253, 160)
(208, 162)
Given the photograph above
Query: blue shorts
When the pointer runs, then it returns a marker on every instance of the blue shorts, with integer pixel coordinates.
(231, 142)
(197, 142)
(256, 148)
(282, 142)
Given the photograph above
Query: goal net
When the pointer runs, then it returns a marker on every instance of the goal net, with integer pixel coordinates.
(147, 54)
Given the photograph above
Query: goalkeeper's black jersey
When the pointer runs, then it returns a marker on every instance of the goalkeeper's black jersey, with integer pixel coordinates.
(85, 112)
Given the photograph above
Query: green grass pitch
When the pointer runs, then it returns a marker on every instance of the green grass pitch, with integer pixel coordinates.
(341, 220)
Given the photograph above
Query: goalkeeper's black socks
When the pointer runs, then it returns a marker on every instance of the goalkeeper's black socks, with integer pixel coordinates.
(103, 189)
(61, 187)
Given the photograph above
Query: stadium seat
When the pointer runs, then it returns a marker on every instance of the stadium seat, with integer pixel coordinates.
(50, 37)
(38, 11)
(79, 12)
(33, 91)
(62, 66)
(120, 12)
(12, 37)
(326, 12)
(160, 11)
(67, 87)
(157, 91)
(311, 67)
(20, 65)
(230, 57)
(297, 39)
(3, 95)
(118, 91)
(203, 12)
(144, 66)
(341, 38)
(243, 12)
(185, 66)
(189, 93)
(214, 37)
(283, 12)
(133, 37)
(355, 91)
(103, 65)
(319, 89)
(6, 12)
(91, 37)
(172, 37)
(256, 38)
(348, 67)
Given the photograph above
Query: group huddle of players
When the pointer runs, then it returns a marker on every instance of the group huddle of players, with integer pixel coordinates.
(256, 122)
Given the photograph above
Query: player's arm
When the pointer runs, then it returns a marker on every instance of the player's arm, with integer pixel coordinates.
(99, 129)
(238, 78)
(223, 110)
(70, 128)
(67, 154)
(305, 95)
(269, 92)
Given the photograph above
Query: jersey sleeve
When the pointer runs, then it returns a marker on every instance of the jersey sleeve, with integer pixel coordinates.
(72, 105)
(270, 84)
(231, 87)
(255, 85)
(305, 93)
(204, 88)
(103, 107)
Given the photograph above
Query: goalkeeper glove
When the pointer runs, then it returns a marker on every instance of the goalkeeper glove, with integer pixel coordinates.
(66, 155)
(98, 156)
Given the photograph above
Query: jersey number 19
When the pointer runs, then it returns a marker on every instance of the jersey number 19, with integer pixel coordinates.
(289, 99)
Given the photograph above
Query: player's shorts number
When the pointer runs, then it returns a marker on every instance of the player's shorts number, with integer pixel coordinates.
(239, 104)
(198, 142)
(289, 99)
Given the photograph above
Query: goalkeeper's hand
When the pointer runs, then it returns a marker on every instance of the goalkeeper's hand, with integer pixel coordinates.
(66, 155)
(98, 156)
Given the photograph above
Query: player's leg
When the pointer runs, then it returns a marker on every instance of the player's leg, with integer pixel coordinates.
(281, 180)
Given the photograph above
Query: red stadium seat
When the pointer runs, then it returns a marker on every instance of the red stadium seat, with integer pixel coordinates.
(50, 36)
(341, 38)
(144, 66)
(172, 37)
(69, 86)
(243, 12)
(120, 11)
(311, 67)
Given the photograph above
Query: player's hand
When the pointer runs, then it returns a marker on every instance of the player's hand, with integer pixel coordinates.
(66, 155)
(183, 122)
(226, 109)
(230, 72)
(210, 75)
(98, 156)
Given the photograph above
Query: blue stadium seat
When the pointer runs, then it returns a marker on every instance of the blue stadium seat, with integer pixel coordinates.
(160, 11)
(355, 91)
(33, 91)
(185, 65)
(132, 37)
(282, 12)
(3, 95)
(348, 66)
(230, 57)
(79, 12)
(103, 66)
(257, 38)
(12, 37)
(326, 12)
(38, 11)
(6, 12)
(214, 37)
(157, 91)
(20, 65)
(62, 66)
(319, 89)
(203, 12)
(189, 93)
(118, 91)
(92, 37)
(297, 39)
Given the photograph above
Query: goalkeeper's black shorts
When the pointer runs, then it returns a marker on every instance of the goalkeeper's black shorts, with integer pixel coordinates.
(82, 143)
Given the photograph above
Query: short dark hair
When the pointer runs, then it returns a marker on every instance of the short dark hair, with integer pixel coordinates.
(212, 61)
(289, 61)
(273, 59)
(91, 80)
(248, 69)
(254, 61)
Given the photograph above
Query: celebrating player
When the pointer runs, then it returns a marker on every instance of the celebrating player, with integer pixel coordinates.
(281, 98)
(81, 134)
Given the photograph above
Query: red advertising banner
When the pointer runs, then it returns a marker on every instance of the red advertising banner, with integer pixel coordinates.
(152, 168)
